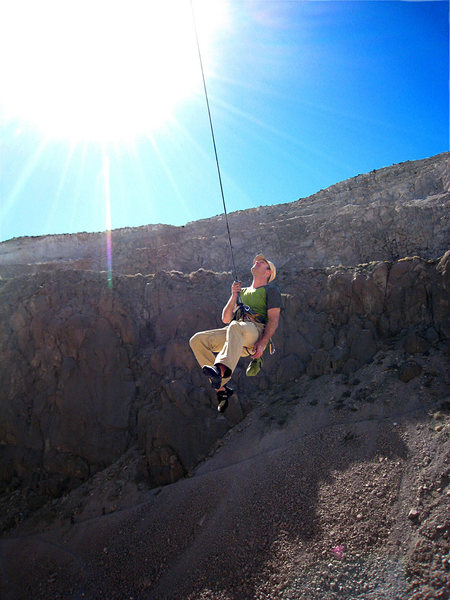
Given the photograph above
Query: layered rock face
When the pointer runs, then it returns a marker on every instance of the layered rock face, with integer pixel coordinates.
(387, 214)
(89, 371)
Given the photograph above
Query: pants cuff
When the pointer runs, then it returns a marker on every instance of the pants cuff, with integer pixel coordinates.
(228, 371)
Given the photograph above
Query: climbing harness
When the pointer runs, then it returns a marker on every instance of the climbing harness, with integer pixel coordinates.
(272, 349)
(245, 313)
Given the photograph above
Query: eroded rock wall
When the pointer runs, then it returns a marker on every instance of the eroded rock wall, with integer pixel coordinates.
(87, 371)
(387, 214)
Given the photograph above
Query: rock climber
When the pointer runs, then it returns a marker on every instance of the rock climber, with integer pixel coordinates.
(251, 316)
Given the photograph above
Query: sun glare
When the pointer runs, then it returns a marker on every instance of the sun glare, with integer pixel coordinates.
(101, 70)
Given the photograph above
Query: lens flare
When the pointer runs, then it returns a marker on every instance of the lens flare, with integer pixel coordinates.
(339, 551)
(107, 193)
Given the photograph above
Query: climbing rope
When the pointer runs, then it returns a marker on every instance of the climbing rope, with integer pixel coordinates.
(213, 138)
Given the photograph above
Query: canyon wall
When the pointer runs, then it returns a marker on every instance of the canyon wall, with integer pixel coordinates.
(88, 370)
(387, 214)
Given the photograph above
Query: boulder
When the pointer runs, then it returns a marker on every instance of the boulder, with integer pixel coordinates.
(409, 370)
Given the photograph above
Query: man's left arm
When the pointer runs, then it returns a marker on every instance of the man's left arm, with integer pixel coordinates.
(273, 317)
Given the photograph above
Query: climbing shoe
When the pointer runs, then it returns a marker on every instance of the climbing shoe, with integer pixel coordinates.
(214, 375)
(222, 399)
(254, 367)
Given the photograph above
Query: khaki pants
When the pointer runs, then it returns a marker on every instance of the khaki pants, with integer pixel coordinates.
(230, 343)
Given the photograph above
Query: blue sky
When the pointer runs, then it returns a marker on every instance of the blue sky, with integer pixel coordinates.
(302, 95)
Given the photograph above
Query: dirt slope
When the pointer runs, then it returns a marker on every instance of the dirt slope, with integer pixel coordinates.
(330, 489)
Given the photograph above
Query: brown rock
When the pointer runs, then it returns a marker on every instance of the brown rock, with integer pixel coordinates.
(413, 514)
(409, 370)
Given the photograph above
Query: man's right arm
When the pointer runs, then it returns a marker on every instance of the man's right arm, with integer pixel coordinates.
(228, 309)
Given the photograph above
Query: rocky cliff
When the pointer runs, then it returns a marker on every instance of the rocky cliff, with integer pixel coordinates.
(94, 374)
(383, 215)
(86, 369)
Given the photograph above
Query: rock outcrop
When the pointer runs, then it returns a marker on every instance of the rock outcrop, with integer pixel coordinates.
(90, 371)
(387, 214)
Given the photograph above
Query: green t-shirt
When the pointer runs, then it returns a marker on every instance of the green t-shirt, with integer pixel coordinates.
(261, 299)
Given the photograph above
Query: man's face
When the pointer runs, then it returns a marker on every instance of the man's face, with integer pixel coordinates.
(261, 268)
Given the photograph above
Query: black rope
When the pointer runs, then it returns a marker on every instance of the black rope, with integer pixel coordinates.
(213, 138)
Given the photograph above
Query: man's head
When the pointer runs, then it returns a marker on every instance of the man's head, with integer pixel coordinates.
(263, 266)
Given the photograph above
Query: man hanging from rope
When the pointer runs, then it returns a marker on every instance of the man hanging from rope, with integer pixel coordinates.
(251, 316)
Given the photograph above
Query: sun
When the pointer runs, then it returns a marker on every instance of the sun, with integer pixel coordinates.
(106, 70)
